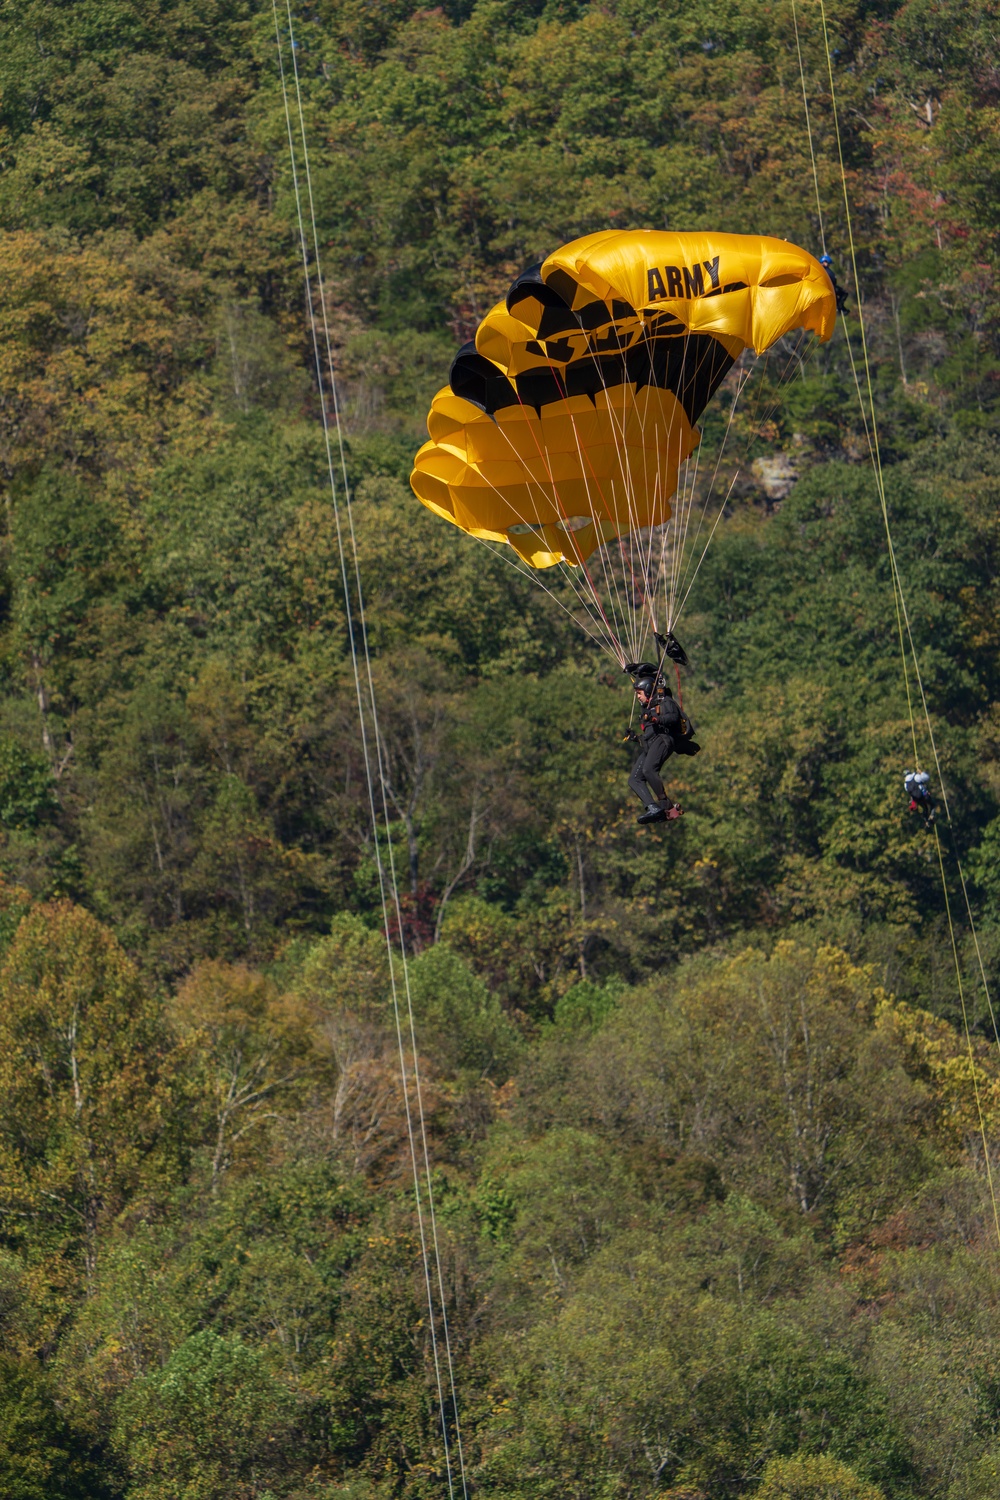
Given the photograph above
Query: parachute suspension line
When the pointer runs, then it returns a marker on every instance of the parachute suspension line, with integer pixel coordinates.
(585, 461)
(532, 576)
(629, 558)
(370, 780)
(704, 550)
(624, 467)
(682, 519)
(684, 527)
(639, 559)
(674, 614)
(669, 567)
(659, 484)
(633, 560)
(614, 601)
(675, 523)
(675, 529)
(590, 602)
(739, 468)
(902, 616)
(805, 106)
(681, 558)
(678, 520)
(680, 561)
(546, 460)
(630, 625)
(681, 555)
(651, 485)
(608, 641)
(621, 453)
(782, 380)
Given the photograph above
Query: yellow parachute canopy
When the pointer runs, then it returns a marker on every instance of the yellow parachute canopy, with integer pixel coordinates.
(565, 422)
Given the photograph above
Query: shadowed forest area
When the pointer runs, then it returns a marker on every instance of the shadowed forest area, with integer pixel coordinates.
(710, 1108)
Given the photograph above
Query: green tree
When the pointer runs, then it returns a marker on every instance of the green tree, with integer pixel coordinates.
(212, 1424)
(42, 1457)
(88, 1082)
(814, 1477)
(458, 1022)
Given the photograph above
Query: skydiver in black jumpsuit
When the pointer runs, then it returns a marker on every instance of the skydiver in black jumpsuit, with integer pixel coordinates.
(662, 730)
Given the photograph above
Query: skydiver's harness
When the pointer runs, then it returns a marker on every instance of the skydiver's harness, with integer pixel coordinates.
(681, 729)
(650, 717)
(916, 784)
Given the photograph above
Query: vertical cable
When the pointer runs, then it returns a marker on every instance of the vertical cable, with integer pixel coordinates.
(366, 748)
(903, 621)
(805, 106)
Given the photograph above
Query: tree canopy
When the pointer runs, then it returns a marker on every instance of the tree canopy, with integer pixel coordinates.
(710, 1111)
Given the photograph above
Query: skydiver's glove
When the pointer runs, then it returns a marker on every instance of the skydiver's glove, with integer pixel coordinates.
(629, 737)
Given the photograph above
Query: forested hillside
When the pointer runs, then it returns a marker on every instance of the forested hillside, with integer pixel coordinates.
(710, 1108)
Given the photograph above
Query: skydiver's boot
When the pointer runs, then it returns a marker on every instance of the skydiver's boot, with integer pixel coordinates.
(656, 812)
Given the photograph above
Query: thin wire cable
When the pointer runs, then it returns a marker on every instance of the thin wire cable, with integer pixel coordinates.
(871, 431)
(805, 106)
(369, 779)
(968, 1039)
(975, 940)
(377, 739)
(383, 782)
(903, 619)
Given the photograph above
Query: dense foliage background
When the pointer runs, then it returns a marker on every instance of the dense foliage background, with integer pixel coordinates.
(709, 1142)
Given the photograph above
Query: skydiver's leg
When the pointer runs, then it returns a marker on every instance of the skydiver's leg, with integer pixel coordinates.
(637, 779)
(659, 752)
(645, 779)
(653, 778)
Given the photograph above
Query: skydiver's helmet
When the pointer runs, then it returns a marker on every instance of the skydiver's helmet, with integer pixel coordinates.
(826, 262)
(649, 681)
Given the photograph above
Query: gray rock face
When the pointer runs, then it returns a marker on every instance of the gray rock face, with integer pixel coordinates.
(776, 475)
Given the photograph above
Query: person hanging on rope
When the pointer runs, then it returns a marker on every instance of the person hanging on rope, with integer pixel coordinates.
(916, 784)
(838, 291)
(664, 730)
